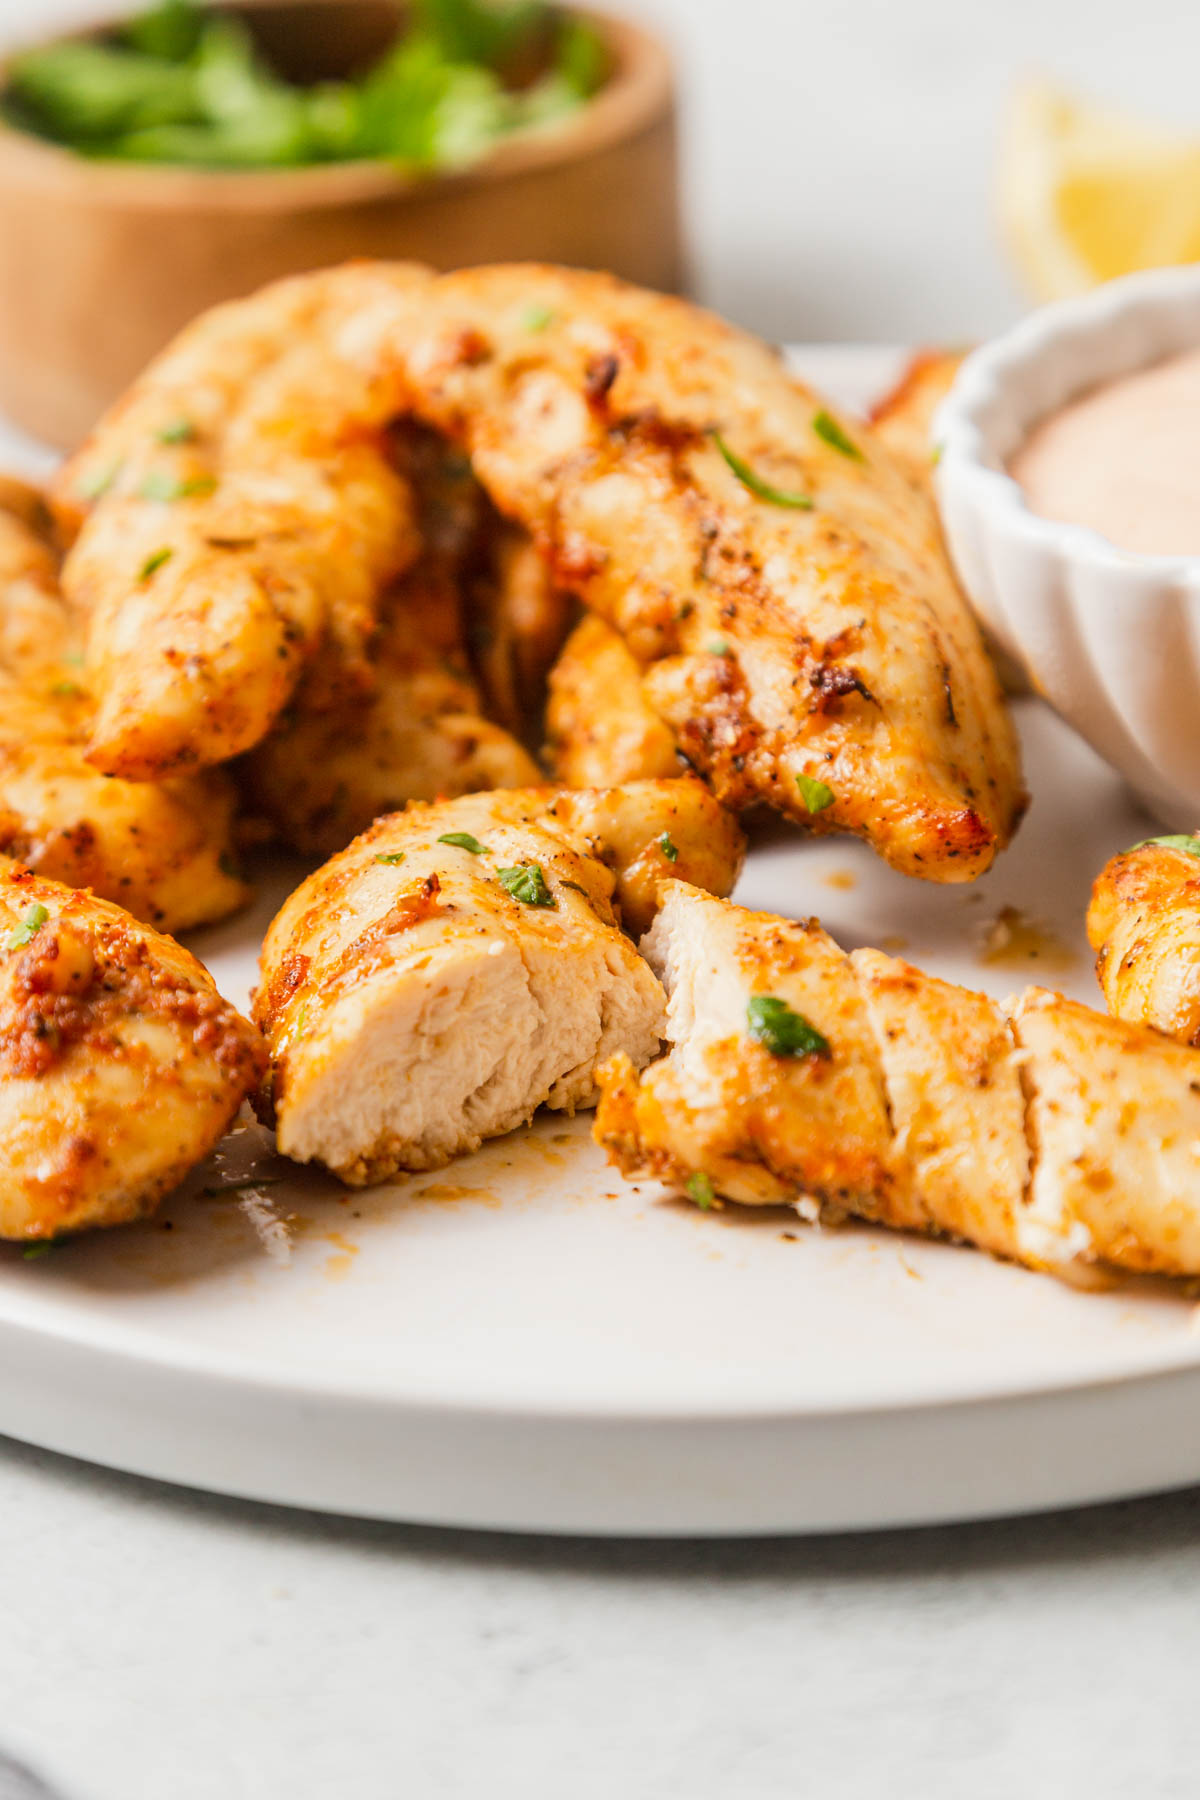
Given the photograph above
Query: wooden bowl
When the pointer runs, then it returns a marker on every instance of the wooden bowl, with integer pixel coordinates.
(103, 262)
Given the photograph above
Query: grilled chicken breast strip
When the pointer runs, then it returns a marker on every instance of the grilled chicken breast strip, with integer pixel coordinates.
(237, 513)
(1144, 925)
(781, 579)
(600, 728)
(1041, 1131)
(333, 762)
(774, 570)
(461, 965)
(162, 851)
(120, 1064)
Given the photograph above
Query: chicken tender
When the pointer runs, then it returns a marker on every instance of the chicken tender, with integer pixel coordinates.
(339, 757)
(903, 419)
(1144, 925)
(600, 728)
(237, 513)
(457, 967)
(1040, 1130)
(771, 566)
(779, 577)
(163, 852)
(120, 1064)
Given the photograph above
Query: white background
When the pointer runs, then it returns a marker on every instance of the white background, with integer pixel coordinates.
(160, 1646)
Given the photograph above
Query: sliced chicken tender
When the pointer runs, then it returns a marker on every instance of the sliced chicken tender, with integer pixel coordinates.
(237, 513)
(120, 1064)
(1144, 925)
(954, 1091)
(770, 560)
(723, 1110)
(1115, 1127)
(1040, 1130)
(164, 852)
(459, 966)
(601, 730)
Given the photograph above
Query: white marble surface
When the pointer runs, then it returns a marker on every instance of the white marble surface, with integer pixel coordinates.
(156, 1645)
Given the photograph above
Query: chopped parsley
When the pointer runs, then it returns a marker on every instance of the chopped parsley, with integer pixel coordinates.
(701, 1190)
(228, 866)
(160, 484)
(176, 431)
(66, 690)
(827, 427)
(1188, 842)
(27, 930)
(391, 856)
(536, 318)
(32, 1251)
(527, 884)
(462, 840)
(816, 795)
(182, 83)
(154, 562)
(719, 647)
(762, 490)
(669, 847)
(774, 1025)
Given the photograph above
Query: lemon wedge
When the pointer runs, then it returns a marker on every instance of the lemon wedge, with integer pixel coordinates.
(1087, 193)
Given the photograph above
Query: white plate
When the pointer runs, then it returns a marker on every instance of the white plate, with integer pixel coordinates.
(525, 1341)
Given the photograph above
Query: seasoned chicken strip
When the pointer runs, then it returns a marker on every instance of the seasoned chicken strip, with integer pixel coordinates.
(519, 622)
(1144, 925)
(336, 760)
(600, 728)
(120, 1064)
(325, 773)
(809, 645)
(1040, 1131)
(238, 512)
(903, 419)
(163, 852)
(457, 967)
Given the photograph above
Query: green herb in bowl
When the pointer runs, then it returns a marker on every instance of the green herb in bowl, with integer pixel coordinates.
(187, 85)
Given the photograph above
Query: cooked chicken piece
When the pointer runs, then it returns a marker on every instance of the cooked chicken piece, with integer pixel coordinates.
(519, 621)
(457, 967)
(809, 645)
(120, 1064)
(336, 760)
(326, 772)
(1040, 1131)
(600, 728)
(903, 419)
(648, 832)
(238, 513)
(163, 852)
(1114, 1124)
(1144, 925)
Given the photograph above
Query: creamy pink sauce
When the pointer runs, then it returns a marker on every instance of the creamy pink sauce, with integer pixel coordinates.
(1124, 459)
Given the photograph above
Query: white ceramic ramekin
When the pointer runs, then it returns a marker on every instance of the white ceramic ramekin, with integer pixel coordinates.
(1109, 637)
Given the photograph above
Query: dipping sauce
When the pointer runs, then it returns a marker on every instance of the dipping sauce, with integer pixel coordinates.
(1125, 460)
